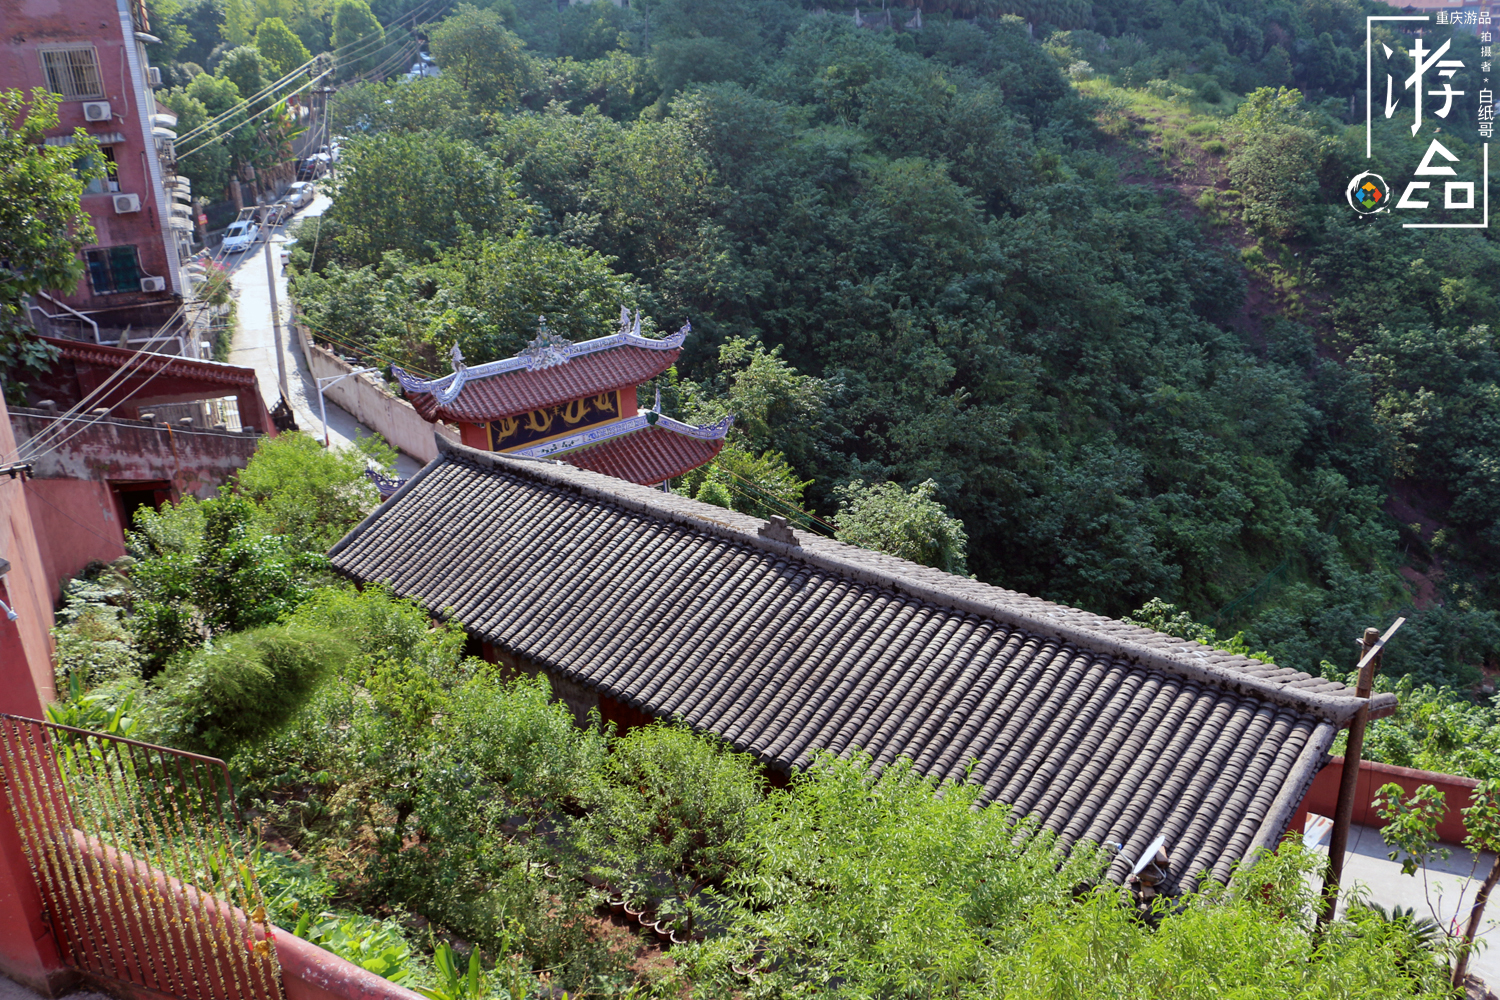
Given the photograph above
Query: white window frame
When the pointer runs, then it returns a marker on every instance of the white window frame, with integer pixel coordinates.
(69, 74)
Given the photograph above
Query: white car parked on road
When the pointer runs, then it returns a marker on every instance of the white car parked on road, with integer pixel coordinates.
(240, 236)
(300, 195)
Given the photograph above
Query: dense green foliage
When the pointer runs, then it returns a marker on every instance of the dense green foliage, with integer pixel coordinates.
(42, 225)
(928, 243)
(436, 792)
(910, 525)
(411, 787)
(1058, 294)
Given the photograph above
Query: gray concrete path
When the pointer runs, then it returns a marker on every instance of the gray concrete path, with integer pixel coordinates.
(15, 991)
(254, 345)
(1446, 894)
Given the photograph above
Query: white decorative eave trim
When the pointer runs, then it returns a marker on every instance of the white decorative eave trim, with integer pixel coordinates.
(448, 387)
(606, 432)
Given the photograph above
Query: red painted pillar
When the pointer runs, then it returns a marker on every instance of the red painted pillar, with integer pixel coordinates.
(17, 687)
(28, 949)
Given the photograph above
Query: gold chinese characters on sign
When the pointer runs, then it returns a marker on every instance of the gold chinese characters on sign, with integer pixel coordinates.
(554, 422)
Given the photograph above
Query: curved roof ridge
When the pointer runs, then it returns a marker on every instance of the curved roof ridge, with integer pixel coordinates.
(1187, 659)
(625, 336)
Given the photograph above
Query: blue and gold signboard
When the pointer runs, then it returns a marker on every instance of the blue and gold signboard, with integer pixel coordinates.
(554, 422)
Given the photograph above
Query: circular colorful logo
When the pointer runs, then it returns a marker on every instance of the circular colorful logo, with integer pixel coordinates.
(1368, 194)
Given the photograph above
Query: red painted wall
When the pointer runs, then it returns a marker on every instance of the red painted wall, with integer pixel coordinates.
(475, 436)
(26, 649)
(33, 24)
(1322, 797)
(76, 523)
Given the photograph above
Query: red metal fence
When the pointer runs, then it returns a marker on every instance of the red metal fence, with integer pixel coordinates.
(134, 850)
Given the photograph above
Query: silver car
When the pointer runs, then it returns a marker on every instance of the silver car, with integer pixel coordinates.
(300, 195)
(240, 236)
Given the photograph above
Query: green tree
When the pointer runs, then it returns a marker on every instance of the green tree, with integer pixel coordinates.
(305, 494)
(42, 225)
(667, 817)
(278, 47)
(239, 21)
(1411, 829)
(208, 168)
(357, 36)
(243, 686)
(484, 56)
(1277, 159)
(775, 407)
(415, 193)
(247, 71)
(911, 525)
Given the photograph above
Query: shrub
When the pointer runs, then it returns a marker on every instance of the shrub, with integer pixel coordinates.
(887, 886)
(308, 493)
(667, 816)
(885, 517)
(244, 685)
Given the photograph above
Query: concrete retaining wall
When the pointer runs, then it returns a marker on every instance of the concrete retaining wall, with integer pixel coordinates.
(368, 401)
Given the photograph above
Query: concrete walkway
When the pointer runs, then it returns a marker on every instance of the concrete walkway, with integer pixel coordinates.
(15, 991)
(1446, 896)
(254, 345)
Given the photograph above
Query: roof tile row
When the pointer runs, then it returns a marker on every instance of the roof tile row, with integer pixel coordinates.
(1103, 731)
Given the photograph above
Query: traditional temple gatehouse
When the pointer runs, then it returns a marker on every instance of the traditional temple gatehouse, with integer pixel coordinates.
(575, 403)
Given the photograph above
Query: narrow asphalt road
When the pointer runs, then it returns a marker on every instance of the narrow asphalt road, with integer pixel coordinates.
(254, 345)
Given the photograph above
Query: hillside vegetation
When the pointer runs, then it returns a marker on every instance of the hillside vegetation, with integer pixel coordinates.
(1089, 273)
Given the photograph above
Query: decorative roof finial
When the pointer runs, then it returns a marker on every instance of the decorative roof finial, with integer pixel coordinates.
(657, 405)
(547, 350)
(624, 319)
(457, 356)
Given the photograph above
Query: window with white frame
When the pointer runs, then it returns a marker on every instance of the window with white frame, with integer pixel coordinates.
(73, 72)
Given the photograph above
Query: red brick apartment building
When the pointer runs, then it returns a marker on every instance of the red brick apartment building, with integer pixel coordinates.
(94, 53)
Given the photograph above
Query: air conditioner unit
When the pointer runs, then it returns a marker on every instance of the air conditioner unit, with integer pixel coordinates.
(127, 203)
(153, 284)
(96, 111)
(153, 75)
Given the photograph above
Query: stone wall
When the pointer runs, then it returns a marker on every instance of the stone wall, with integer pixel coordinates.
(369, 403)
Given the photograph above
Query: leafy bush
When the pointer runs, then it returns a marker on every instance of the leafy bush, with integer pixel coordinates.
(244, 685)
(1256, 939)
(885, 517)
(305, 493)
(887, 886)
(666, 818)
(374, 945)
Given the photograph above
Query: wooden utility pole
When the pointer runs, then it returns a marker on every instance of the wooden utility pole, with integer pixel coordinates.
(1370, 646)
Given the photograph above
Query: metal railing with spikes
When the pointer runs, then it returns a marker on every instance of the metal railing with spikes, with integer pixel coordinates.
(136, 852)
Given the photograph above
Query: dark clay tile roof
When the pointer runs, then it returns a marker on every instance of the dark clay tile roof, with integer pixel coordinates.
(1102, 730)
(647, 456)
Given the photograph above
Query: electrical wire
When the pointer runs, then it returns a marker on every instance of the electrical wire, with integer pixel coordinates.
(812, 518)
(71, 413)
(54, 445)
(252, 120)
(385, 67)
(359, 349)
(766, 500)
(373, 43)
